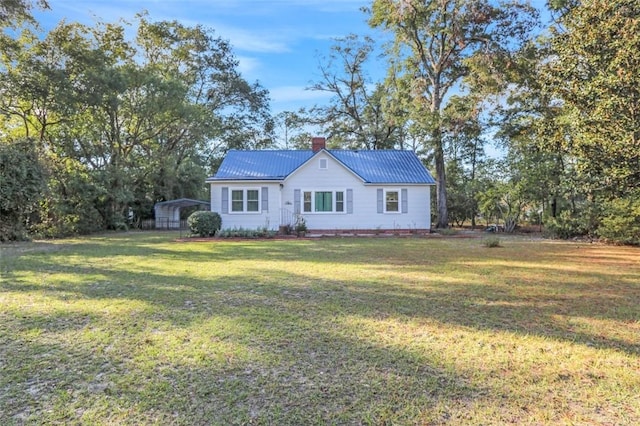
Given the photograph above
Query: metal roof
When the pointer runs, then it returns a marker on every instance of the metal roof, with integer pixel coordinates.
(260, 165)
(373, 166)
(385, 166)
(182, 202)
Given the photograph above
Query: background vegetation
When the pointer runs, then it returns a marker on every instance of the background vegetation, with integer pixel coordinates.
(118, 123)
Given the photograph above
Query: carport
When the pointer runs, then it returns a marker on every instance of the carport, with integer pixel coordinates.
(167, 213)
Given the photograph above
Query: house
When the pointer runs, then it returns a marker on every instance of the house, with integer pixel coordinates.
(333, 190)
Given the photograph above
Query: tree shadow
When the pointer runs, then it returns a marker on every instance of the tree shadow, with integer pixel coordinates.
(299, 351)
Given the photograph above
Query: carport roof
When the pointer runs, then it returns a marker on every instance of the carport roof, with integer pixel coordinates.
(182, 202)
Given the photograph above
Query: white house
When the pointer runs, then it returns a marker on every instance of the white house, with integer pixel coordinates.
(347, 190)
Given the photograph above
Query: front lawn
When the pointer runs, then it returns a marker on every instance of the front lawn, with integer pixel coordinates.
(136, 328)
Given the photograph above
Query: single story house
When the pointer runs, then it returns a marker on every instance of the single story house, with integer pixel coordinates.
(346, 190)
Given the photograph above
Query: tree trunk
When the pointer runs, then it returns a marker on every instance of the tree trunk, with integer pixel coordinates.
(441, 183)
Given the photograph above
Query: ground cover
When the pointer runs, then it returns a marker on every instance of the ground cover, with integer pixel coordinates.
(136, 328)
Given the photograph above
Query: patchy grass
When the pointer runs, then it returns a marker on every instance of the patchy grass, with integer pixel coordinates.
(138, 329)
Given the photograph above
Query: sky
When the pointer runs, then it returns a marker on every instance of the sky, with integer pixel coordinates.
(278, 42)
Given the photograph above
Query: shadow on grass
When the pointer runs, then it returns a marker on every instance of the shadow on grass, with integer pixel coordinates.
(303, 365)
(504, 305)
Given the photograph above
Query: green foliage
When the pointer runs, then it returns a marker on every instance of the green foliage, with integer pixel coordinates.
(491, 242)
(620, 221)
(240, 232)
(567, 225)
(22, 184)
(124, 121)
(594, 71)
(204, 223)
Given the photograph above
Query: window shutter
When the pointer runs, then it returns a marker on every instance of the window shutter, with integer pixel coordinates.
(265, 199)
(296, 201)
(224, 208)
(380, 201)
(349, 201)
(405, 201)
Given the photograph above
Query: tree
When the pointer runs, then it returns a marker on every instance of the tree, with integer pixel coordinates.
(13, 11)
(594, 74)
(356, 117)
(22, 183)
(464, 148)
(437, 45)
(124, 123)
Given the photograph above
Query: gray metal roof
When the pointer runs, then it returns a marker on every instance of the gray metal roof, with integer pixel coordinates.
(182, 202)
(372, 166)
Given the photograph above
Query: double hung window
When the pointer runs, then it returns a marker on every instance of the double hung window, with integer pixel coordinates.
(245, 200)
(392, 201)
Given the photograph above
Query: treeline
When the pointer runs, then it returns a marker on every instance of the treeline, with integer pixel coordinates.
(112, 124)
(96, 125)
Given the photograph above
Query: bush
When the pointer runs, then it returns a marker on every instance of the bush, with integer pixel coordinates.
(204, 224)
(621, 221)
(567, 225)
(247, 233)
(491, 242)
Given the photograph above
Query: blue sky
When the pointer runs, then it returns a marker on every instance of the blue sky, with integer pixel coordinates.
(278, 42)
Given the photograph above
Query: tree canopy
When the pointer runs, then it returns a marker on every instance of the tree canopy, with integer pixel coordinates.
(125, 123)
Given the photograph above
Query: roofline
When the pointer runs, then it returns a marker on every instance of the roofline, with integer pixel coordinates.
(179, 200)
(224, 180)
(399, 183)
(330, 155)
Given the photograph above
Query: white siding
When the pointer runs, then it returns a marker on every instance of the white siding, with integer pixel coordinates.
(250, 220)
(365, 216)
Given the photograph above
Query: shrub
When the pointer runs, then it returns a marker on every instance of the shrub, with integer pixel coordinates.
(567, 225)
(621, 221)
(300, 225)
(491, 242)
(204, 223)
(246, 233)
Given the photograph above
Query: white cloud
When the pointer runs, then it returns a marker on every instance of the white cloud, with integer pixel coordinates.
(248, 65)
(250, 41)
(296, 93)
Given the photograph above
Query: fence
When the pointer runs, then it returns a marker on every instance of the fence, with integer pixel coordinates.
(161, 223)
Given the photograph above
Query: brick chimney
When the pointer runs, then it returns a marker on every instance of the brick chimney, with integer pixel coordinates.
(317, 144)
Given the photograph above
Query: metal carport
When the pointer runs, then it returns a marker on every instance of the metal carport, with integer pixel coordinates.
(167, 213)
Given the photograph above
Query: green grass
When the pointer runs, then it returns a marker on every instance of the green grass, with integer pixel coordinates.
(136, 328)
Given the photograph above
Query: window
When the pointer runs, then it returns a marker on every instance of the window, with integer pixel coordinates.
(307, 201)
(324, 164)
(392, 202)
(339, 201)
(237, 200)
(253, 200)
(323, 201)
(245, 200)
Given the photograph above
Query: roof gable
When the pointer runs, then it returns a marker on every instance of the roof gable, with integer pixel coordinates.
(372, 166)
